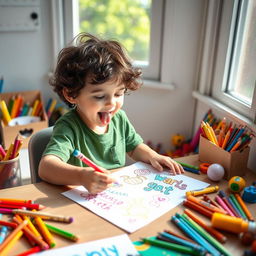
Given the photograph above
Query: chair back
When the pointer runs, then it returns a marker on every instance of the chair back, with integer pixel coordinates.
(36, 147)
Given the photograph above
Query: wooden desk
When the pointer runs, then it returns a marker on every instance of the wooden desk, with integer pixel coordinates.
(90, 227)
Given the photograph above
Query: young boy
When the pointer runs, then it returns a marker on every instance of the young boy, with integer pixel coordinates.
(92, 78)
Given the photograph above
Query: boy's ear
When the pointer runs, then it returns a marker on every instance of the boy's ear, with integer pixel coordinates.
(67, 97)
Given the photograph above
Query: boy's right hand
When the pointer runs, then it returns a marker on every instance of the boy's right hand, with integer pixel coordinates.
(96, 182)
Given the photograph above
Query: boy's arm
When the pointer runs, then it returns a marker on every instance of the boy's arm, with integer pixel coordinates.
(147, 155)
(53, 170)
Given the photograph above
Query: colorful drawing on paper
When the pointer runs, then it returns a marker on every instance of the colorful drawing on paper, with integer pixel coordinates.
(141, 195)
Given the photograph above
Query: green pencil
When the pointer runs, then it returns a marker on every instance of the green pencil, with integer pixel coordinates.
(170, 246)
(61, 232)
(205, 234)
(239, 208)
(188, 165)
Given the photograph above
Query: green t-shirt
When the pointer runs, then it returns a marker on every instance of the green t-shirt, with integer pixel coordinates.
(107, 150)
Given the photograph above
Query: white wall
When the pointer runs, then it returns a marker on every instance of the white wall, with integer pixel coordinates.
(26, 57)
(156, 114)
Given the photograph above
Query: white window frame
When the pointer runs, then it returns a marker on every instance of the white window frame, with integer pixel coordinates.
(151, 71)
(219, 30)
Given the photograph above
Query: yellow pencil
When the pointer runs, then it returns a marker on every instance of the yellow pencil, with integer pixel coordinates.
(34, 107)
(45, 232)
(8, 153)
(6, 249)
(31, 226)
(51, 108)
(213, 134)
(6, 114)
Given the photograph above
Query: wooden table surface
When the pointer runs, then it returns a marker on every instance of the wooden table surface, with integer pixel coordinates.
(88, 226)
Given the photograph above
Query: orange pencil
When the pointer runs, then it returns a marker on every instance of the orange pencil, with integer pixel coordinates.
(244, 207)
(198, 208)
(45, 232)
(206, 205)
(31, 236)
(226, 140)
(16, 104)
(219, 236)
(236, 146)
(12, 235)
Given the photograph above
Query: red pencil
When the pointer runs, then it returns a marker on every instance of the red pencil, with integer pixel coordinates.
(20, 205)
(30, 251)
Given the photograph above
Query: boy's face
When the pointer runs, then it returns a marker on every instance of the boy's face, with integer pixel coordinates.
(97, 104)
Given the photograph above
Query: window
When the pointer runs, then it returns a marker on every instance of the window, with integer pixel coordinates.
(135, 23)
(234, 77)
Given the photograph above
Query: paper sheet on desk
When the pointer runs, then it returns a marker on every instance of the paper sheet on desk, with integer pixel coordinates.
(141, 196)
(117, 245)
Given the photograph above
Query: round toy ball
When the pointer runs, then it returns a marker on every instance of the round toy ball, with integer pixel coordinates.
(236, 184)
(215, 172)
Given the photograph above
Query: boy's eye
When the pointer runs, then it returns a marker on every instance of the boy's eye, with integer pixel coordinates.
(99, 97)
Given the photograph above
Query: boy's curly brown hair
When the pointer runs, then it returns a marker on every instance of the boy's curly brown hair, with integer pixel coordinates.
(94, 60)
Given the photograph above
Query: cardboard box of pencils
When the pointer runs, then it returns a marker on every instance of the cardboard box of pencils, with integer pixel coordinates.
(31, 122)
(234, 163)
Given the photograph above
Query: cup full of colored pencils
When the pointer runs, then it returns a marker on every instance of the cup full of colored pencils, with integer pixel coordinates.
(10, 173)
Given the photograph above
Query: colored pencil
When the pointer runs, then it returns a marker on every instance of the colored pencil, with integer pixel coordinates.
(62, 232)
(233, 198)
(8, 224)
(198, 208)
(38, 240)
(16, 200)
(223, 205)
(86, 160)
(180, 241)
(182, 237)
(11, 243)
(224, 198)
(244, 207)
(169, 246)
(203, 191)
(209, 200)
(188, 165)
(3, 233)
(206, 235)
(19, 220)
(32, 227)
(45, 232)
(30, 251)
(206, 205)
(19, 204)
(43, 215)
(219, 236)
(191, 170)
(193, 234)
(11, 236)
(5, 112)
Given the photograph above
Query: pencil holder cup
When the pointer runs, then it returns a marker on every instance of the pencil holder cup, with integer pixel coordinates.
(10, 174)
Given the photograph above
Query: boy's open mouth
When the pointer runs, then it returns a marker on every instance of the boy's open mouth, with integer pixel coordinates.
(105, 117)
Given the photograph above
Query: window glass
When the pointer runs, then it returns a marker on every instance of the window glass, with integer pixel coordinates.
(242, 73)
(127, 21)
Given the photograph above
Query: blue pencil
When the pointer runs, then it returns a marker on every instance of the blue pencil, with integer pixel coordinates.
(178, 240)
(1, 84)
(235, 139)
(194, 235)
(191, 170)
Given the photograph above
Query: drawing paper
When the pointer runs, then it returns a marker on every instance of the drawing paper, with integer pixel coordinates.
(141, 196)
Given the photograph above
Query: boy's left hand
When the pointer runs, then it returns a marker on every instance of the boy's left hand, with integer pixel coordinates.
(160, 162)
